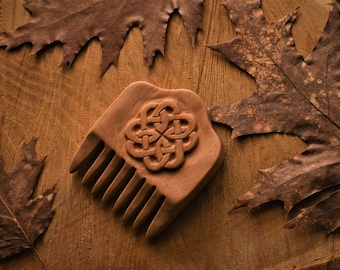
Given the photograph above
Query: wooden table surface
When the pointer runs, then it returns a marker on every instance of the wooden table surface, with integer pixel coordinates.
(59, 105)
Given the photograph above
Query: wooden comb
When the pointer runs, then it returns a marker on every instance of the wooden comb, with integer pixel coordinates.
(150, 153)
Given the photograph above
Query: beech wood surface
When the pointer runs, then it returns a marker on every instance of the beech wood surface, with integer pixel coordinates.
(59, 105)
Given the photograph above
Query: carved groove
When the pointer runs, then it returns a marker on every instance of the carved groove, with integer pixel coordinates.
(161, 135)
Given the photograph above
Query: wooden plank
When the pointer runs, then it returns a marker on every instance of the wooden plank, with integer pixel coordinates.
(59, 105)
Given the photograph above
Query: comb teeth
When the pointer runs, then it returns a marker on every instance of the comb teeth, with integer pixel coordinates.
(98, 166)
(129, 192)
(119, 182)
(112, 177)
(108, 174)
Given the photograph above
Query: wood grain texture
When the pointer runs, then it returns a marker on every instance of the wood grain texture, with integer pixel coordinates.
(59, 105)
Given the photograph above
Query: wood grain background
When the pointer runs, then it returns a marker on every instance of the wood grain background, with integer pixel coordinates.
(59, 105)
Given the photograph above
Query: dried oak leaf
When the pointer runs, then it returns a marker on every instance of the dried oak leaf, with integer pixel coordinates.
(295, 95)
(75, 22)
(23, 218)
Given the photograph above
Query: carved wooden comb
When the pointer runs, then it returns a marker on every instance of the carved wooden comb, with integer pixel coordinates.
(150, 153)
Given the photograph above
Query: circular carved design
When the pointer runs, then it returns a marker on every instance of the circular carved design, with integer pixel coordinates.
(161, 135)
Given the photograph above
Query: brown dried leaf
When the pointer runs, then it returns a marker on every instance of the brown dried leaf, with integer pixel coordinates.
(324, 213)
(295, 96)
(332, 263)
(23, 218)
(75, 22)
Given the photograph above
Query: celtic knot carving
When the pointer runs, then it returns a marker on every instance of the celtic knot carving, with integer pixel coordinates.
(161, 135)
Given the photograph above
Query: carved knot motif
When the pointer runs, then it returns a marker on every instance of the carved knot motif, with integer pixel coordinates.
(161, 135)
